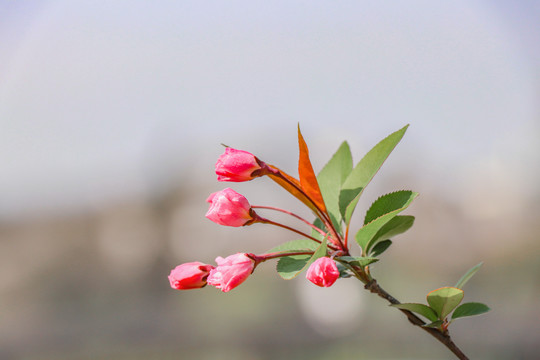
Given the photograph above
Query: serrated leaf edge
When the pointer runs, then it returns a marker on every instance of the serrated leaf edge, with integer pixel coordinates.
(416, 194)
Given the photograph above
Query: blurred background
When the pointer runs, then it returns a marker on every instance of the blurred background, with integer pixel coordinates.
(112, 115)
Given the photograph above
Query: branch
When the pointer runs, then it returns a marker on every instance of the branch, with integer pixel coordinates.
(443, 337)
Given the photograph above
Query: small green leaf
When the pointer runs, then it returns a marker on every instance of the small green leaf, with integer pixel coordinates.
(343, 271)
(435, 324)
(357, 260)
(421, 309)
(288, 267)
(444, 300)
(468, 275)
(380, 247)
(295, 246)
(394, 203)
(470, 309)
(331, 177)
(364, 171)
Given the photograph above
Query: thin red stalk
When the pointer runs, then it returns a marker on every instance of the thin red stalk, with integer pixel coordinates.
(266, 221)
(275, 255)
(320, 231)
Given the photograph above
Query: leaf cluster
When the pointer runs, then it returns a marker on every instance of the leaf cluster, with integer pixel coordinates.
(442, 302)
(340, 185)
(333, 195)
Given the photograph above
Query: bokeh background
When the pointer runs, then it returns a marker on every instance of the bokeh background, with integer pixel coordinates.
(112, 115)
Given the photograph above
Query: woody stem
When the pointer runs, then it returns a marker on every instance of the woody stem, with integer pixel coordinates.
(442, 336)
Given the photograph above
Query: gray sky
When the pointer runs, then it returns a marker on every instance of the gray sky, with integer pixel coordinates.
(105, 100)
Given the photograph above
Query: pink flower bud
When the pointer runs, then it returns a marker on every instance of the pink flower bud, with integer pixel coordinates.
(236, 165)
(231, 271)
(229, 208)
(189, 276)
(323, 272)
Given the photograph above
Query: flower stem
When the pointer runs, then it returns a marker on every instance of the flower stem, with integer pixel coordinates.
(320, 231)
(266, 221)
(278, 254)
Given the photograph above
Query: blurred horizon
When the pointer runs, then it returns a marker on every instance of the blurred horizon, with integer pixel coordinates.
(113, 115)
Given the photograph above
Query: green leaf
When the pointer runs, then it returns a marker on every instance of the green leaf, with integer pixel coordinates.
(470, 309)
(357, 260)
(343, 271)
(364, 171)
(388, 203)
(397, 225)
(331, 177)
(435, 324)
(393, 204)
(381, 247)
(444, 300)
(318, 223)
(288, 267)
(421, 309)
(468, 275)
(295, 246)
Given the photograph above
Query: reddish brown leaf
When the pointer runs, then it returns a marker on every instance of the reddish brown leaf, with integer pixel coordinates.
(308, 179)
(292, 185)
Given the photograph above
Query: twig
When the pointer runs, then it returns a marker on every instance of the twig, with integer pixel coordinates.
(443, 337)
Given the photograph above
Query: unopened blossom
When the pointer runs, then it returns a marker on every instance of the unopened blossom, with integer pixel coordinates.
(231, 271)
(237, 165)
(229, 208)
(189, 275)
(323, 272)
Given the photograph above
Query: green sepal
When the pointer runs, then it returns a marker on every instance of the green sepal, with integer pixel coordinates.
(381, 212)
(468, 275)
(288, 267)
(364, 171)
(421, 309)
(380, 247)
(444, 300)
(470, 309)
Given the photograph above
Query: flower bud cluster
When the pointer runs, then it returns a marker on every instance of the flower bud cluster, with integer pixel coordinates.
(229, 208)
(228, 274)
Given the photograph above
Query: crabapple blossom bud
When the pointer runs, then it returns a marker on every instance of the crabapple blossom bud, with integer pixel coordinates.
(231, 271)
(323, 272)
(229, 208)
(189, 275)
(237, 165)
